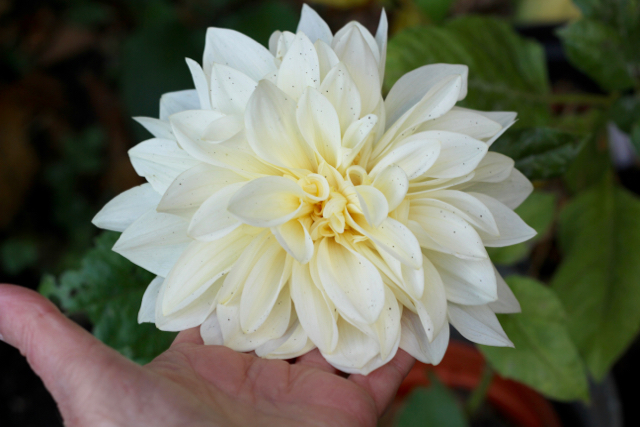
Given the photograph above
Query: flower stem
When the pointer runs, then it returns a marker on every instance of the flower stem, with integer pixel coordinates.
(479, 394)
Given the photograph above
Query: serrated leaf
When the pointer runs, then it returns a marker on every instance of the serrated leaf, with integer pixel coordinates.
(598, 280)
(433, 406)
(540, 153)
(597, 50)
(506, 71)
(544, 356)
(108, 289)
(538, 212)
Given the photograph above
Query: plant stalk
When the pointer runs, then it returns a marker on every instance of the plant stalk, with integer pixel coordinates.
(479, 394)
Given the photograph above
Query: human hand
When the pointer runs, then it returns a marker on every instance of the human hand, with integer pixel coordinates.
(190, 384)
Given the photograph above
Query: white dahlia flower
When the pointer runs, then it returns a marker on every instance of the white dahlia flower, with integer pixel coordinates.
(289, 206)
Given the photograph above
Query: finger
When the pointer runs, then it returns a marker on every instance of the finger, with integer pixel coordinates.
(314, 359)
(67, 358)
(383, 383)
(191, 336)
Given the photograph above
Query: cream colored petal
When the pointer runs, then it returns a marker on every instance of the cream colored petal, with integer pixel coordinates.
(459, 154)
(272, 129)
(393, 182)
(432, 305)
(464, 121)
(210, 330)
(373, 204)
(478, 324)
(351, 282)
(415, 157)
(387, 327)
(195, 185)
(293, 341)
(295, 239)
(381, 41)
(199, 266)
(362, 63)
(355, 138)
(507, 301)
(494, 167)
(273, 42)
(414, 340)
(234, 49)
(176, 102)
(267, 201)
(230, 89)
(354, 350)
(127, 207)
(147, 312)
(300, 68)
(319, 125)
(343, 93)
(315, 311)
(450, 231)
(157, 128)
(154, 241)
(343, 34)
(512, 191)
(506, 120)
(327, 58)
(212, 220)
(511, 227)
(201, 82)
(314, 26)
(160, 161)
(465, 281)
(284, 43)
(395, 238)
(413, 86)
(268, 275)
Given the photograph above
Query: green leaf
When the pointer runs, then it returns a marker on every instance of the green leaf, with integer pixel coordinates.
(626, 115)
(540, 153)
(598, 280)
(433, 406)
(538, 211)
(108, 289)
(597, 50)
(544, 356)
(436, 10)
(506, 71)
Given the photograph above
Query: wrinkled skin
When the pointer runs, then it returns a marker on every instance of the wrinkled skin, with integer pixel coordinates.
(190, 384)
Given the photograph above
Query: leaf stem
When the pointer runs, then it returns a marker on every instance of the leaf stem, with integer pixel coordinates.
(479, 394)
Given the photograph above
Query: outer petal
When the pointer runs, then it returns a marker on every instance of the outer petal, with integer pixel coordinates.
(355, 137)
(160, 161)
(432, 306)
(393, 183)
(381, 40)
(127, 207)
(154, 242)
(387, 327)
(230, 89)
(147, 313)
(267, 201)
(351, 282)
(157, 128)
(341, 90)
(295, 239)
(414, 340)
(314, 26)
(238, 51)
(511, 192)
(176, 102)
(327, 58)
(201, 82)
(494, 167)
(272, 129)
(413, 86)
(300, 68)
(213, 221)
(464, 121)
(465, 281)
(415, 157)
(478, 324)
(315, 310)
(507, 301)
(459, 155)
(210, 330)
(355, 349)
(191, 315)
(319, 125)
(511, 227)
(199, 266)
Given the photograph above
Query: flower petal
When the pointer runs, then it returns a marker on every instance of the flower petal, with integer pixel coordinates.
(300, 68)
(340, 89)
(210, 330)
(459, 154)
(415, 341)
(415, 157)
(393, 182)
(373, 203)
(157, 128)
(176, 102)
(319, 125)
(511, 192)
(507, 301)
(381, 40)
(315, 310)
(189, 316)
(272, 129)
(154, 241)
(413, 86)
(494, 167)
(432, 305)
(160, 161)
(351, 282)
(511, 227)
(127, 207)
(199, 266)
(267, 201)
(465, 281)
(295, 239)
(230, 89)
(147, 312)
(212, 220)
(193, 186)
(355, 137)
(234, 49)
(478, 324)
(327, 58)
(464, 121)
(354, 350)
(201, 83)
(387, 327)
(505, 118)
(314, 26)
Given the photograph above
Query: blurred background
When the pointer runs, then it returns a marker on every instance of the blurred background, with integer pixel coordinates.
(73, 72)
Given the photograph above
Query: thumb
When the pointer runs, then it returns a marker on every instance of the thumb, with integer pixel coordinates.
(69, 360)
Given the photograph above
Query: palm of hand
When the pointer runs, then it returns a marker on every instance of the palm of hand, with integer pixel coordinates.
(190, 384)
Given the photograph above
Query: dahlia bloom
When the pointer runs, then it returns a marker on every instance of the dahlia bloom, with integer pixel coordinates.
(289, 206)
